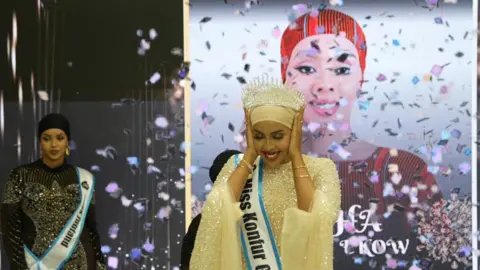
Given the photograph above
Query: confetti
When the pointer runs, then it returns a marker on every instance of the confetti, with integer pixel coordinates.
(161, 122)
(438, 20)
(43, 95)
(336, 2)
(381, 77)
(154, 78)
(148, 246)
(152, 33)
(205, 20)
(444, 229)
(108, 152)
(276, 32)
(436, 70)
(338, 149)
(112, 262)
(415, 80)
(113, 231)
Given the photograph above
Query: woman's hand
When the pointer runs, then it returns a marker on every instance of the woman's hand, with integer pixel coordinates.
(295, 148)
(250, 154)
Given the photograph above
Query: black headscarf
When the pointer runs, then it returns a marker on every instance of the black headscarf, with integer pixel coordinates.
(219, 162)
(54, 120)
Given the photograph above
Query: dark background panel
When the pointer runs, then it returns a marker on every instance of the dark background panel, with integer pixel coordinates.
(84, 55)
(86, 47)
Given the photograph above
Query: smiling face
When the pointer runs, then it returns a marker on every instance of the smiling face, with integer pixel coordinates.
(327, 70)
(271, 140)
(54, 143)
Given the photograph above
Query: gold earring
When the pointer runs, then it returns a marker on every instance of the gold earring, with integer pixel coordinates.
(67, 152)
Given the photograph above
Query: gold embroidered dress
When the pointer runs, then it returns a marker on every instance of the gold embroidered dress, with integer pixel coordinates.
(304, 239)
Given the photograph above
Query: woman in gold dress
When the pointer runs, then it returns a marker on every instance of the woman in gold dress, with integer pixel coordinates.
(271, 207)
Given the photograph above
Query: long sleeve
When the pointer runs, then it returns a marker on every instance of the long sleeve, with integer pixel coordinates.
(91, 222)
(11, 224)
(217, 245)
(307, 237)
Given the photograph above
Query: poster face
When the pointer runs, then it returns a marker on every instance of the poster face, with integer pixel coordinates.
(388, 87)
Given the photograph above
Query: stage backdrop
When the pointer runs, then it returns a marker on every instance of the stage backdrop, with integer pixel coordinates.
(107, 67)
(399, 84)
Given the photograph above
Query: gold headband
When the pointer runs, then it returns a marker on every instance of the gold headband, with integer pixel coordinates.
(277, 114)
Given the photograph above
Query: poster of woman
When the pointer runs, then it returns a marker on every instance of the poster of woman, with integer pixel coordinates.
(388, 89)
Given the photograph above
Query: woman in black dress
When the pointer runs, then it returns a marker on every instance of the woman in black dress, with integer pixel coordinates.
(48, 213)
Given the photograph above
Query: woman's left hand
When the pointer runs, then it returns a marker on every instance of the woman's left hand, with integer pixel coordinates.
(295, 148)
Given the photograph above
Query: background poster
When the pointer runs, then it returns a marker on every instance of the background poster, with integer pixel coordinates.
(108, 67)
(401, 139)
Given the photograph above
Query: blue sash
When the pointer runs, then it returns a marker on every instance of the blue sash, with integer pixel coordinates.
(64, 245)
(258, 241)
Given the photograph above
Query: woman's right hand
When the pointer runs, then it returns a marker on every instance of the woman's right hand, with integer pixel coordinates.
(250, 154)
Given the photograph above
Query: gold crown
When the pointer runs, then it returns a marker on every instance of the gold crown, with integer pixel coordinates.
(263, 91)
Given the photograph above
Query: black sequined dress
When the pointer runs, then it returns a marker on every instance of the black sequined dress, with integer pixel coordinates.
(37, 203)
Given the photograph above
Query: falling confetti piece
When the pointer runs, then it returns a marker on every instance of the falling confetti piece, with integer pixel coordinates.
(148, 246)
(336, 2)
(20, 95)
(152, 34)
(205, 20)
(112, 262)
(105, 249)
(339, 150)
(415, 80)
(125, 201)
(108, 152)
(381, 77)
(164, 212)
(438, 20)
(276, 32)
(113, 231)
(300, 8)
(154, 78)
(436, 70)
(43, 95)
(161, 122)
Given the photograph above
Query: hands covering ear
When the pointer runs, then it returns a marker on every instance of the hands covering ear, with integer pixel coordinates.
(295, 148)
(250, 154)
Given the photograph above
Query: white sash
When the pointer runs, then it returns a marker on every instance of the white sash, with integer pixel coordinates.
(258, 242)
(64, 245)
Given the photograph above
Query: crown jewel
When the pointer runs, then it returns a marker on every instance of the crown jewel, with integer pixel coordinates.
(264, 90)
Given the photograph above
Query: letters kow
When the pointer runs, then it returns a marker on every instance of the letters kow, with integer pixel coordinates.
(371, 247)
